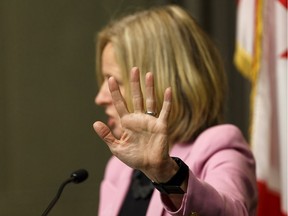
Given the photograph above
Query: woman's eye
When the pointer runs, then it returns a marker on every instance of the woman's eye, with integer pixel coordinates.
(120, 83)
(106, 77)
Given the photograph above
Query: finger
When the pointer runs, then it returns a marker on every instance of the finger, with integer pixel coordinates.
(117, 98)
(166, 107)
(137, 97)
(104, 133)
(150, 94)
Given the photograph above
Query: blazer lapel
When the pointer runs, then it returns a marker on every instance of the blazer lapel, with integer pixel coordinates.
(155, 207)
(115, 194)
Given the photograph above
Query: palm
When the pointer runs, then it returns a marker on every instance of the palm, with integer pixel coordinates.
(143, 142)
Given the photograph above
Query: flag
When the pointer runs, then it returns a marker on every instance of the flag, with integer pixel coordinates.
(261, 56)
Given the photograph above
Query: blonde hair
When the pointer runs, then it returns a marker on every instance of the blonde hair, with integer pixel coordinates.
(169, 43)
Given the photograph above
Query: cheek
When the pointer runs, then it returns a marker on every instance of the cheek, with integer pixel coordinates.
(126, 94)
(126, 97)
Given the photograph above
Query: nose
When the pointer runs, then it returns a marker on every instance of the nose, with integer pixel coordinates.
(103, 97)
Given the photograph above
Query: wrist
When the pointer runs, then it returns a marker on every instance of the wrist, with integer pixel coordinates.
(168, 172)
(173, 185)
(163, 172)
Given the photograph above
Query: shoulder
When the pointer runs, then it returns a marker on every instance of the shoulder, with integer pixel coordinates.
(212, 140)
(222, 133)
(221, 137)
(222, 145)
(218, 145)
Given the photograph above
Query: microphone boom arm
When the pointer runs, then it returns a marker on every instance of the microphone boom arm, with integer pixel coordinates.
(76, 177)
(60, 190)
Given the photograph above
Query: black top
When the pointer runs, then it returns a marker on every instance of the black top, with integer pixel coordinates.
(138, 195)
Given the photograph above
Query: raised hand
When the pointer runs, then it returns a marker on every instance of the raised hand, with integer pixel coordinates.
(144, 143)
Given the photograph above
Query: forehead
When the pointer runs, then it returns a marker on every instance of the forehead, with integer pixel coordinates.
(109, 65)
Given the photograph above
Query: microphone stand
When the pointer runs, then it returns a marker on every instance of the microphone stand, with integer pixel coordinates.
(53, 202)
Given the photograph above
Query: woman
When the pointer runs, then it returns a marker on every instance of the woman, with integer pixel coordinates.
(164, 121)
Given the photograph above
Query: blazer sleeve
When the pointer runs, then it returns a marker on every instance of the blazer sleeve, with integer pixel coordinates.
(222, 178)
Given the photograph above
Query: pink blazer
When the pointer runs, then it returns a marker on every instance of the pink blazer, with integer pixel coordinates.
(221, 179)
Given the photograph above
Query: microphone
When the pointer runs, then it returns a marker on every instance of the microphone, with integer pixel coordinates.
(76, 177)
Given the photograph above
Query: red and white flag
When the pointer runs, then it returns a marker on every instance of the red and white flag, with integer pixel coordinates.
(261, 56)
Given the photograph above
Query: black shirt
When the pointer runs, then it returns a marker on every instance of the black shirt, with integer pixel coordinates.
(138, 196)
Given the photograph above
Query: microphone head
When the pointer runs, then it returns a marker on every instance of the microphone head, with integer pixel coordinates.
(79, 176)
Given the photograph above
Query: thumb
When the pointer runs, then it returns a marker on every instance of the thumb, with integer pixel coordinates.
(104, 133)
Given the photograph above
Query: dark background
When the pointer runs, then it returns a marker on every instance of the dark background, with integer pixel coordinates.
(47, 90)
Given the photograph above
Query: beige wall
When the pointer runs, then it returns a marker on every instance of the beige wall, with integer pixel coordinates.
(47, 104)
(47, 89)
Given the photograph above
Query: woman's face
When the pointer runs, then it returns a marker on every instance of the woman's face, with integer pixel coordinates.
(103, 98)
